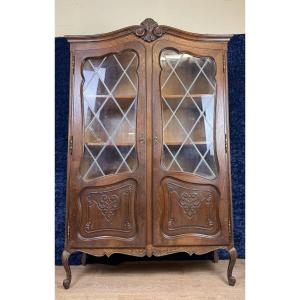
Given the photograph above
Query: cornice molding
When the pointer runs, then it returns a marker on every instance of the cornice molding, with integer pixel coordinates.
(148, 31)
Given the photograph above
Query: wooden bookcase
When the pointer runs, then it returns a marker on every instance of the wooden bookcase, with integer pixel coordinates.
(149, 157)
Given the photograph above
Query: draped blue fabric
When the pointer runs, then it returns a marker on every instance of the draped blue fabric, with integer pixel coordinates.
(236, 69)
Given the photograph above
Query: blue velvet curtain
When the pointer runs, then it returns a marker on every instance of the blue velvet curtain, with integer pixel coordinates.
(236, 69)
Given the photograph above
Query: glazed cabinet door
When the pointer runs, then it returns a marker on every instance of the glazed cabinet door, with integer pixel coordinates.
(191, 196)
(106, 190)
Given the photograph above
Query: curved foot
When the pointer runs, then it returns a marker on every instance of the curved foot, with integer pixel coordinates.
(215, 256)
(66, 283)
(233, 255)
(83, 259)
(65, 260)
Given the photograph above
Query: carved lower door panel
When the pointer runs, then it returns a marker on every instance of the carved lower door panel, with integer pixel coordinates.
(108, 211)
(190, 208)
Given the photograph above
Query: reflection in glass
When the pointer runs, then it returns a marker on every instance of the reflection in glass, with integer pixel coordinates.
(188, 89)
(109, 102)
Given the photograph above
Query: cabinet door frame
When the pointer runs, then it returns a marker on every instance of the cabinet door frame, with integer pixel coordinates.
(222, 181)
(79, 52)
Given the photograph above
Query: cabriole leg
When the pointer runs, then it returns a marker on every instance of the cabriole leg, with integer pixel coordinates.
(65, 260)
(233, 255)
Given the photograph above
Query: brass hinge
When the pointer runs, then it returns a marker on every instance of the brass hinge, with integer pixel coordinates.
(71, 145)
(224, 63)
(226, 143)
(72, 63)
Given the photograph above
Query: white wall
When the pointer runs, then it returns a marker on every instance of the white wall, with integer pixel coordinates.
(99, 16)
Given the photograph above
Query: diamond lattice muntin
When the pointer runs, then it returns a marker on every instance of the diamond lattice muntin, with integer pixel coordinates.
(188, 89)
(109, 101)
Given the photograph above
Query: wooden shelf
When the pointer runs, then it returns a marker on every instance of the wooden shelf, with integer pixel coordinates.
(131, 97)
(101, 144)
(191, 95)
(176, 143)
(169, 143)
(126, 97)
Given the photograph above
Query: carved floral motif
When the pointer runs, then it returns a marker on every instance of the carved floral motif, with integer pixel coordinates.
(127, 225)
(190, 250)
(108, 204)
(189, 208)
(191, 201)
(133, 252)
(149, 30)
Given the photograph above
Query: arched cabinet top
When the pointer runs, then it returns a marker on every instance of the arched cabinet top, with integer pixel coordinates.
(148, 31)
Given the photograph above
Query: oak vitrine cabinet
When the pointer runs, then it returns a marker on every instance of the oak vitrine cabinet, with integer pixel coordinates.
(149, 158)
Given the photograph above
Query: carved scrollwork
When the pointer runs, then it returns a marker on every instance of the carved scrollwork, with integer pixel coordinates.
(108, 204)
(88, 226)
(149, 30)
(189, 250)
(108, 211)
(171, 223)
(190, 202)
(189, 208)
(133, 252)
(127, 225)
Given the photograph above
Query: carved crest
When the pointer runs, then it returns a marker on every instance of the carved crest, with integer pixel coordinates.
(149, 30)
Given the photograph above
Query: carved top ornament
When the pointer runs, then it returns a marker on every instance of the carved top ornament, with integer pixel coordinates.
(149, 30)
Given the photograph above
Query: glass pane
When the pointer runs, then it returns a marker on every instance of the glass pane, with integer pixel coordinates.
(109, 102)
(188, 90)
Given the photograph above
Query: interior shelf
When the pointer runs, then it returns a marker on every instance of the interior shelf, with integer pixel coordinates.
(100, 144)
(131, 97)
(191, 95)
(125, 97)
(176, 143)
(169, 143)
